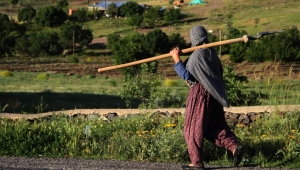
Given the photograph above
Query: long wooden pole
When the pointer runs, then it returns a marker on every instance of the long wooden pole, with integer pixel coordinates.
(242, 39)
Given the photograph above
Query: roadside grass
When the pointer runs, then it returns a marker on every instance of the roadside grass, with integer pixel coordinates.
(270, 141)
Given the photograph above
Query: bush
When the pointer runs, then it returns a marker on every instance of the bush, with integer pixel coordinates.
(145, 86)
(236, 91)
(73, 59)
(170, 83)
(42, 76)
(6, 73)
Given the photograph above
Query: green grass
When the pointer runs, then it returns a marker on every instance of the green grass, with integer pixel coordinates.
(271, 141)
(28, 82)
(23, 92)
(272, 15)
(62, 92)
(279, 91)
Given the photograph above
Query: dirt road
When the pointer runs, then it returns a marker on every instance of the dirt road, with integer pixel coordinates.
(20, 163)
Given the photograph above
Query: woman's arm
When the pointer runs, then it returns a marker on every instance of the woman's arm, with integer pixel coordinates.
(179, 67)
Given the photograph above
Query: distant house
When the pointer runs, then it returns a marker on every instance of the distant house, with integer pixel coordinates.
(72, 11)
(103, 5)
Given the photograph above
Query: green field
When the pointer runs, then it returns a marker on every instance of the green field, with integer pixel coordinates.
(24, 91)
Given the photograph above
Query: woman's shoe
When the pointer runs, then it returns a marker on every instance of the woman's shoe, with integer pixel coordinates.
(238, 156)
(187, 167)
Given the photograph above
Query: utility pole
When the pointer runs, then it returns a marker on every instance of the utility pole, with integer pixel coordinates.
(220, 47)
(73, 43)
(105, 8)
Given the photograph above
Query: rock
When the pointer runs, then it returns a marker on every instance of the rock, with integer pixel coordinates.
(111, 116)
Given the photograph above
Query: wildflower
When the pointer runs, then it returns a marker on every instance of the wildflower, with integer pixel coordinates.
(145, 131)
(293, 131)
(240, 125)
(264, 135)
(170, 125)
(292, 136)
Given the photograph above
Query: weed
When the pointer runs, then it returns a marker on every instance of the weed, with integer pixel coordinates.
(170, 83)
(42, 76)
(4, 107)
(6, 73)
(41, 106)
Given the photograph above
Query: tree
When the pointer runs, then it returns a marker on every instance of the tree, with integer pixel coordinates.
(152, 15)
(23, 45)
(172, 15)
(27, 14)
(112, 10)
(282, 46)
(14, 2)
(131, 8)
(62, 3)
(233, 33)
(238, 52)
(68, 31)
(85, 37)
(129, 48)
(50, 16)
(95, 13)
(43, 43)
(157, 41)
(3, 18)
(112, 39)
(9, 32)
(134, 20)
(175, 40)
(46, 43)
(81, 14)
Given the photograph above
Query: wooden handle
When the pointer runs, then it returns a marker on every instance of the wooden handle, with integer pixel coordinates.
(242, 39)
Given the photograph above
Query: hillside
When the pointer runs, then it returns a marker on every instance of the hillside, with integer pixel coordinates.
(253, 16)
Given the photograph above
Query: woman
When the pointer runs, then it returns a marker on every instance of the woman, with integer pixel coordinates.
(204, 117)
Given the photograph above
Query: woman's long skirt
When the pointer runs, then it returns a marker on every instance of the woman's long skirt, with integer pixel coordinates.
(205, 118)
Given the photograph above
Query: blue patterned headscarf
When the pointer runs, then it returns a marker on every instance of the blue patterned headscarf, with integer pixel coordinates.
(205, 66)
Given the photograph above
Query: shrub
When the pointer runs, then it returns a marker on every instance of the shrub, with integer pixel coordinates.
(236, 91)
(145, 87)
(42, 76)
(73, 59)
(170, 83)
(6, 73)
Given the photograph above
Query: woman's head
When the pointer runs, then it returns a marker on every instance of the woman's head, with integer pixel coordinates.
(198, 36)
